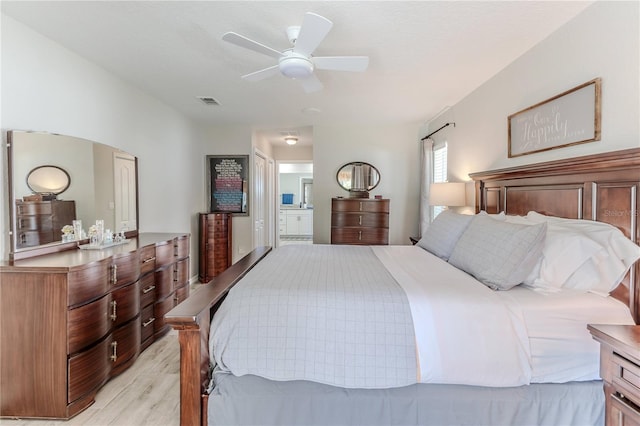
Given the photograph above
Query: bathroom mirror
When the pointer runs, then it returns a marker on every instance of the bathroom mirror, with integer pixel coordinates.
(358, 178)
(101, 183)
(48, 180)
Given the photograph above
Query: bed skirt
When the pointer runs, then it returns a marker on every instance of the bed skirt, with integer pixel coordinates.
(252, 400)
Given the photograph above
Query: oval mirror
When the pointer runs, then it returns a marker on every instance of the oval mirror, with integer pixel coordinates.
(358, 177)
(48, 180)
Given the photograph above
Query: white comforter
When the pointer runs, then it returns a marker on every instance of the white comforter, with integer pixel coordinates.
(389, 316)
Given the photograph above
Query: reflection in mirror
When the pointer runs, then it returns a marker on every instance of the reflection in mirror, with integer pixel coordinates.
(101, 185)
(48, 180)
(358, 178)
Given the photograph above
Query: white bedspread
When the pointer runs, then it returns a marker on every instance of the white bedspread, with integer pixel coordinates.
(389, 316)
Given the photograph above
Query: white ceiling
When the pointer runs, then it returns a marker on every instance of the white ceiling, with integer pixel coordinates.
(424, 55)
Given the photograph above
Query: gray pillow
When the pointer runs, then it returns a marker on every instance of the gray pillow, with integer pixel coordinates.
(442, 235)
(498, 254)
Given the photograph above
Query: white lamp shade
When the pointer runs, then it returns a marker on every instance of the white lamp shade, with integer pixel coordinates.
(447, 194)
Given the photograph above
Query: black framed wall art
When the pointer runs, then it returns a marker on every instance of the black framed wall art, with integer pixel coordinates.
(228, 183)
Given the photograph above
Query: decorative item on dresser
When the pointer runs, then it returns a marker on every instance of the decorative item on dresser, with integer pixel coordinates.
(70, 321)
(360, 221)
(215, 245)
(620, 371)
(41, 222)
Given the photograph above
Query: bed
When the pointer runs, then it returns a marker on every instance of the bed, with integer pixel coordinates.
(527, 384)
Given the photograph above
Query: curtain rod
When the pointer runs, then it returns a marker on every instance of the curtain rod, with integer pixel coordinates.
(433, 133)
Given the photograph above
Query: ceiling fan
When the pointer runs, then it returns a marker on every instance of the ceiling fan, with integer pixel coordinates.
(298, 62)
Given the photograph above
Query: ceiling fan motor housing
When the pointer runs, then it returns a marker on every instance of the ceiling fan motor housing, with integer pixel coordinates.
(295, 65)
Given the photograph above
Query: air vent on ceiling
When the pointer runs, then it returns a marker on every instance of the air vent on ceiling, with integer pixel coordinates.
(208, 100)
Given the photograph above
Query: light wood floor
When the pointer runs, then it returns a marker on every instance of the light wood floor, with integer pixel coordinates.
(148, 393)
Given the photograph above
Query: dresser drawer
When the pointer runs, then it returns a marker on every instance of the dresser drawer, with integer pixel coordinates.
(164, 282)
(125, 345)
(360, 205)
(35, 223)
(159, 310)
(182, 273)
(125, 268)
(33, 208)
(626, 378)
(182, 247)
(147, 319)
(35, 238)
(147, 290)
(164, 254)
(364, 236)
(371, 220)
(87, 324)
(125, 304)
(147, 259)
(623, 412)
(88, 370)
(88, 282)
(181, 294)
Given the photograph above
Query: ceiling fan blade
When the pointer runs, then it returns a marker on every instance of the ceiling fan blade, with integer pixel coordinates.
(262, 74)
(311, 84)
(341, 63)
(247, 43)
(313, 30)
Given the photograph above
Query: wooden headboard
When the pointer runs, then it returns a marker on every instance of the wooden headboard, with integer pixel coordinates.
(600, 187)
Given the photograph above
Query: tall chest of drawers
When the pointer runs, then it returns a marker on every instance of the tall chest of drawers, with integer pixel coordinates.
(215, 245)
(41, 222)
(359, 221)
(70, 321)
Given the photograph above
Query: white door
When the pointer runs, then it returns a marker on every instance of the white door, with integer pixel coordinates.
(260, 237)
(125, 195)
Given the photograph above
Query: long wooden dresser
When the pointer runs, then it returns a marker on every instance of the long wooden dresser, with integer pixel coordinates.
(360, 221)
(215, 244)
(70, 321)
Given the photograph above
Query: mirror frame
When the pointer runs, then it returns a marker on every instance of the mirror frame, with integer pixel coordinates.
(358, 193)
(58, 246)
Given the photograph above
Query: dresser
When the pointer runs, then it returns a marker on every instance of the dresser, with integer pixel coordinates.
(620, 371)
(41, 222)
(359, 221)
(70, 321)
(215, 244)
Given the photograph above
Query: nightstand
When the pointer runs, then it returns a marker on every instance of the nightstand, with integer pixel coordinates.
(620, 371)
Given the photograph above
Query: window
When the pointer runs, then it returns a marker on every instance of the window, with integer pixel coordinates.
(439, 170)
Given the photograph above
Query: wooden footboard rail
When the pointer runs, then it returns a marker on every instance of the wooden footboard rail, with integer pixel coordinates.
(192, 319)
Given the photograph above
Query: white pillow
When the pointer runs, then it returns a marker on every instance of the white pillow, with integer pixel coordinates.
(443, 233)
(498, 254)
(605, 268)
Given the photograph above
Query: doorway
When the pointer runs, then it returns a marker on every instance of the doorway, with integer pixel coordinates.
(295, 197)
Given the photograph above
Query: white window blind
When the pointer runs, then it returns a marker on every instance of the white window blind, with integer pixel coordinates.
(439, 170)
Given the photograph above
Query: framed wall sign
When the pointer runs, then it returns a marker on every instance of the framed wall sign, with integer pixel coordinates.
(570, 118)
(228, 183)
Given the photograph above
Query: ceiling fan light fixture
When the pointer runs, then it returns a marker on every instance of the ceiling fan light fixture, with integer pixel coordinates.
(291, 140)
(296, 66)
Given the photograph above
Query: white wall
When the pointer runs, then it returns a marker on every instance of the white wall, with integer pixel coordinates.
(601, 42)
(393, 150)
(46, 87)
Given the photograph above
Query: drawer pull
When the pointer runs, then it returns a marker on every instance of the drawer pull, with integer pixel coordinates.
(360, 205)
(360, 220)
(359, 235)
(151, 259)
(114, 351)
(114, 314)
(148, 289)
(114, 274)
(146, 323)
